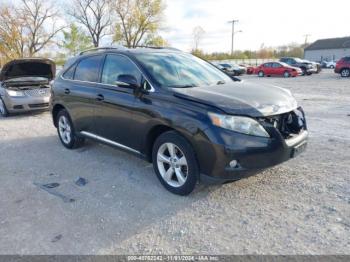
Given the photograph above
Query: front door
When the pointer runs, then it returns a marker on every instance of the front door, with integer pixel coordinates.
(115, 104)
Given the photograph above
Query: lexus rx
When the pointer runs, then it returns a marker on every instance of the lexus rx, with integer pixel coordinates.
(183, 114)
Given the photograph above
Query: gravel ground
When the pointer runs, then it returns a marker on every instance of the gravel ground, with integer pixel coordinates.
(300, 207)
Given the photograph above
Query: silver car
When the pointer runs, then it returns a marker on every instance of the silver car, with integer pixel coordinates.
(25, 85)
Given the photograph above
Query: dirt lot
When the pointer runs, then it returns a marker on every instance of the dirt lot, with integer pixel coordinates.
(301, 207)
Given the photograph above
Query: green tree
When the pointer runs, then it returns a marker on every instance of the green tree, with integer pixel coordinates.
(156, 41)
(137, 21)
(75, 40)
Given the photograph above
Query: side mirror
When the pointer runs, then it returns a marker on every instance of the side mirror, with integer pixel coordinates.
(127, 81)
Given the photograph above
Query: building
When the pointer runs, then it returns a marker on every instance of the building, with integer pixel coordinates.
(331, 49)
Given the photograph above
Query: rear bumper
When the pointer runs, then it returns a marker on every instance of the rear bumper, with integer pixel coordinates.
(25, 104)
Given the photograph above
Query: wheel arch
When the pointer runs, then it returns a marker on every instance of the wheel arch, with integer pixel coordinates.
(55, 110)
(157, 130)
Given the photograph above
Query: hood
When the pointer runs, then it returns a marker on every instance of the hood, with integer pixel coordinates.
(31, 67)
(242, 98)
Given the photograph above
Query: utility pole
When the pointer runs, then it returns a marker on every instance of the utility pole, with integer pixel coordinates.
(233, 33)
(306, 38)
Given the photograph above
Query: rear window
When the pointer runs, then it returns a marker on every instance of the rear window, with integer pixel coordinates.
(88, 69)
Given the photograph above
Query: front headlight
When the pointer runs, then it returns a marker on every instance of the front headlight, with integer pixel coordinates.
(14, 93)
(240, 124)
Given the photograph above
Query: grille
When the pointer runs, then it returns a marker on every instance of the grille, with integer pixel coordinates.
(39, 105)
(289, 124)
(40, 92)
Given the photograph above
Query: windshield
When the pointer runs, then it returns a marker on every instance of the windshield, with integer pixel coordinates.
(181, 70)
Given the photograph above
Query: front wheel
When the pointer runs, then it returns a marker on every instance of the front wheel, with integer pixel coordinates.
(3, 110)
(261, 74)
(175, 163)
(345, 72)
(66, 131)
(286, 74)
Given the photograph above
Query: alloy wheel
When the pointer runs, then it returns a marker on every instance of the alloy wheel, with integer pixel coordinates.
(172, 165)
(345, 73)
(65, 129)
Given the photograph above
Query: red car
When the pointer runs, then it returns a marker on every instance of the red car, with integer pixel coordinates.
(343, 67)
(277, 69)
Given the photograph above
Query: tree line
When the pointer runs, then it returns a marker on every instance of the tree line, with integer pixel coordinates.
(290, 50)
(28, 27)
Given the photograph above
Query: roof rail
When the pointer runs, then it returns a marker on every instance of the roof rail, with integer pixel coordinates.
(158, 47)
(100, 49)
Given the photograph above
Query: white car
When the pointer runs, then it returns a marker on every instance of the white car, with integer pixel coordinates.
(330, 64)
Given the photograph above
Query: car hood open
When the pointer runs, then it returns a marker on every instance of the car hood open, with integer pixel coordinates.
(29, 67)
(242, 98)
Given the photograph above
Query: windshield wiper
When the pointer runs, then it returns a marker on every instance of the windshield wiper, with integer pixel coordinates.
(183, 86)
(221, 82)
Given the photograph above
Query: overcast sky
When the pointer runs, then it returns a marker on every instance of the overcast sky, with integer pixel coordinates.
(268, 22)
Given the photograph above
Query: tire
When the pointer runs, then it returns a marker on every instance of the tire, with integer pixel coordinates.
(3, 109)
(261, 74)
(286, 74)
(345, 72)
(175, 163)
(332, 67)
(65, 130)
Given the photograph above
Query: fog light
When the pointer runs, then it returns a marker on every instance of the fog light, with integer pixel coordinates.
(234, 163)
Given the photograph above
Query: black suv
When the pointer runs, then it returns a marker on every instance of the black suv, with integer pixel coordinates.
(307, 67)
(183, 114)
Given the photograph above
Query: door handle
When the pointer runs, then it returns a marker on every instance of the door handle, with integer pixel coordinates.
(100, 97)
(67, 91)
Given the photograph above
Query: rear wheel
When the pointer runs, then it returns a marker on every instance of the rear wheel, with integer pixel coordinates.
(261, 74)
(345, 72)
(286, 74)
(66, 131)
(3, 110)
(175, 163)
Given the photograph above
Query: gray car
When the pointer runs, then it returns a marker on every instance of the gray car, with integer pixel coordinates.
(25, 85)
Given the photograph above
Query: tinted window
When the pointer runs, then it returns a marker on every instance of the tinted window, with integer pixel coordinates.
(276, 65)
(267, 65)
(69, 74)
(116, 65)
(88, 69)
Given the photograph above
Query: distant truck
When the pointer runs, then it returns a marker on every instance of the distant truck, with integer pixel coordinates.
(307, 67)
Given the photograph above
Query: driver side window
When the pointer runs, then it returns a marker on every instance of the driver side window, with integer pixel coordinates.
(116, 65)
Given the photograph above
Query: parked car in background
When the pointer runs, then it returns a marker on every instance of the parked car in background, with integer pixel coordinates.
(306, 67)
(343, 67)
(249, 70)
(316, 66)
(183, 114)
(330, 64)
(277, 69)
(232, 69)
(25, 85)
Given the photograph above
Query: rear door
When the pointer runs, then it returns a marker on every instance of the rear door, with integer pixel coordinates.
(114, 106)
(80, 91)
